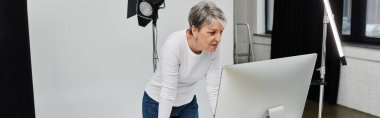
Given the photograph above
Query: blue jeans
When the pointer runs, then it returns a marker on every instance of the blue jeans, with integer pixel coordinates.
(150, 109)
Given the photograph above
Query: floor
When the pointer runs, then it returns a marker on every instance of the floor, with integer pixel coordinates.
(332, 111)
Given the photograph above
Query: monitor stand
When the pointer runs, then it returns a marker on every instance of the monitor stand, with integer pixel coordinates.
(277, 112)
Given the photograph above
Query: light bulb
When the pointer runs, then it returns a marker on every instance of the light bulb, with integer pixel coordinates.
(146, 9)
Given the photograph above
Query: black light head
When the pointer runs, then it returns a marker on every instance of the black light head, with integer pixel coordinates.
(146, 10)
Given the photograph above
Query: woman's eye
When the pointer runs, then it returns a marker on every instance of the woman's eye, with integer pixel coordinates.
(212, 33)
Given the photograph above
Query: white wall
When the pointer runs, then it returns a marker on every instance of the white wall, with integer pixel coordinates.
(261, 44)
(360, 80)
(89, 61)
(262, 47)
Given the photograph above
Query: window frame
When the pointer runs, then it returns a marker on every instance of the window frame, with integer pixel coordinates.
(358, 24)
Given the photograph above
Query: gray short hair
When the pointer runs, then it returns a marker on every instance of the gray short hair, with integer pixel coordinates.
(205, 12)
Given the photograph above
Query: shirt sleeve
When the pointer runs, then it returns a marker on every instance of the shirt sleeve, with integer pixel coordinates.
(213, 78)
(169, 66)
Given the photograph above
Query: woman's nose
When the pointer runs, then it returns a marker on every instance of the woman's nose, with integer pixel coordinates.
(218, 38)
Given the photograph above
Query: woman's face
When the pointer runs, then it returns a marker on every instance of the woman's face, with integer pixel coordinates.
(208, 36)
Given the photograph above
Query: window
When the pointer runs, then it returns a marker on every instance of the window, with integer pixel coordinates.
(361, 21)
(373, 19)
(269, 8)
(346, 24)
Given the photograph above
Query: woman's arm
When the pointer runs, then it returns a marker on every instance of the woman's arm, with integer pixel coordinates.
(169, 66)
(213, 78)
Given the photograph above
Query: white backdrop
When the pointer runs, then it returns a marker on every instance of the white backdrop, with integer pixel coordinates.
(89, 61)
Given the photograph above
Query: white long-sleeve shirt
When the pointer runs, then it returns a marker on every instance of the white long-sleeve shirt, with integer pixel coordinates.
(179, 70)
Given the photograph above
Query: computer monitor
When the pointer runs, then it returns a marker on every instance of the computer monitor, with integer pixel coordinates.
(249, 90)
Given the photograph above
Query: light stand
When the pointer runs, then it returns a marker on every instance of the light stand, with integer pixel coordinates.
(322, 70)
(155, 55)
(328, 18)
(147, 10)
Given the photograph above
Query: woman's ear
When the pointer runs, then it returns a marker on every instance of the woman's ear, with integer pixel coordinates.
(194, 30)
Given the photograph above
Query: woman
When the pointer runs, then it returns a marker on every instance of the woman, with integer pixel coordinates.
(186, 57)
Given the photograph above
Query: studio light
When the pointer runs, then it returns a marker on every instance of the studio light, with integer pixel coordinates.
(335, 31)
(146, 10)
(328, 19)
